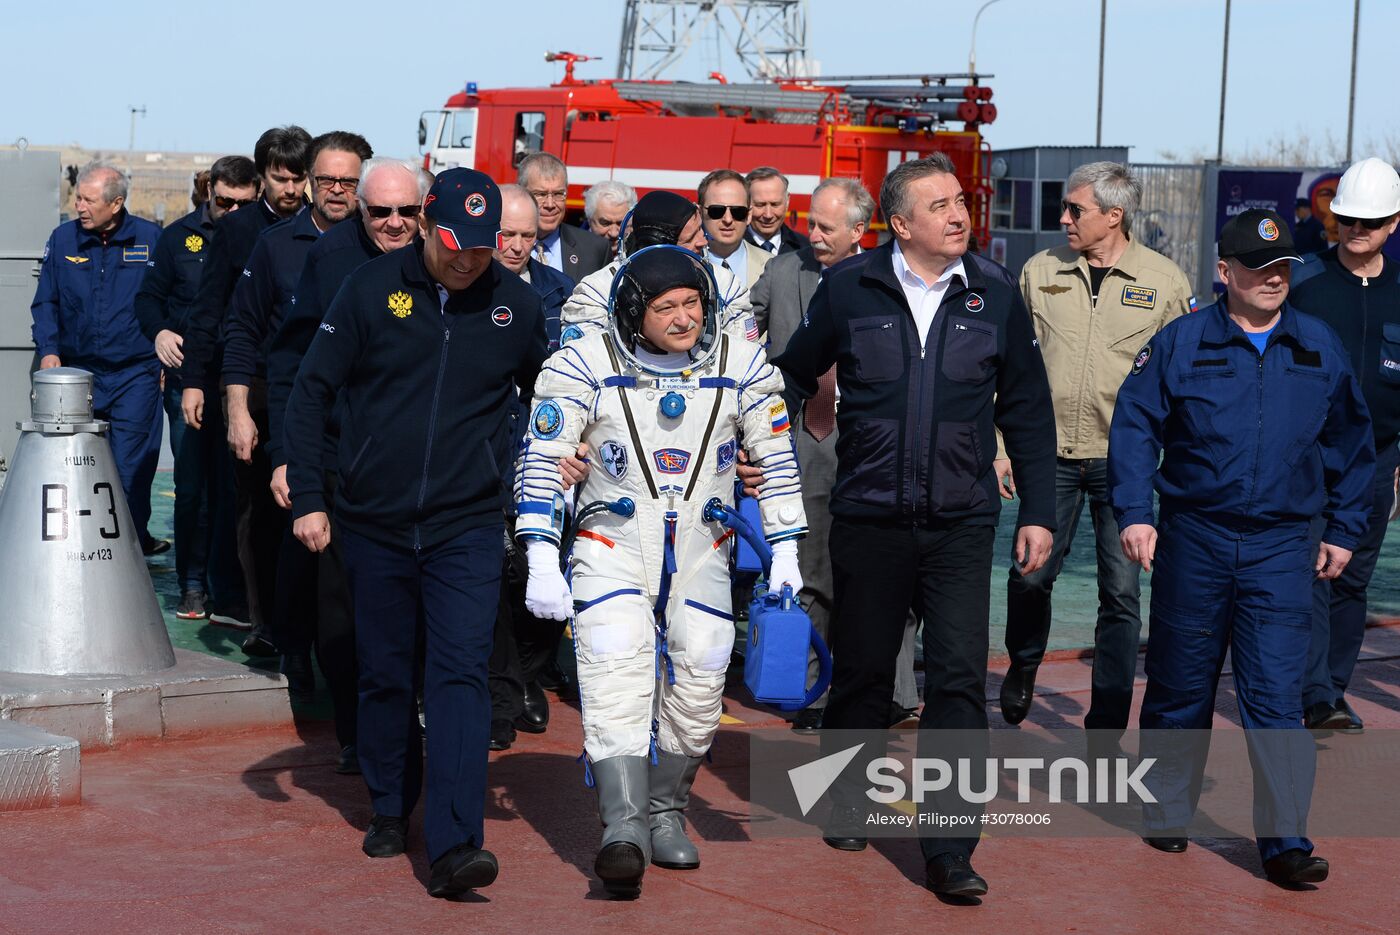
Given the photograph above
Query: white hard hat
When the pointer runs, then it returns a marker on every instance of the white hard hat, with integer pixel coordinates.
(1369, 189)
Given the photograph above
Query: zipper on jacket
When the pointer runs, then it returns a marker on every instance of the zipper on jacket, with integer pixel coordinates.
(428, 448)
(918, 508)
(1258, 432)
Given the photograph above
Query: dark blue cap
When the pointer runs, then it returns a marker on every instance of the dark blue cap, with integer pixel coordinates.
(466, 206)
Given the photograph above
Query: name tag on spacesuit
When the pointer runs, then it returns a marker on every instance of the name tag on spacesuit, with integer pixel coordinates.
(678, 383)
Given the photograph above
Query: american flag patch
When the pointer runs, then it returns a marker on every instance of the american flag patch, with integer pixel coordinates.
(1191, 305)
(751, 328)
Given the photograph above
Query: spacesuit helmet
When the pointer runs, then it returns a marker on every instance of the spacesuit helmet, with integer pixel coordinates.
(651, 272)
(658, 218)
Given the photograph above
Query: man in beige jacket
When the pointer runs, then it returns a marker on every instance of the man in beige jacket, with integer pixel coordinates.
(1094, 301)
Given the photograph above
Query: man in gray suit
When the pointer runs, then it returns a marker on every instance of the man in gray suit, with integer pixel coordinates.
(839, 216)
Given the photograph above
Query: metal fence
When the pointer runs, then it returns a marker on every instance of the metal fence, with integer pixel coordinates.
(1169, 219)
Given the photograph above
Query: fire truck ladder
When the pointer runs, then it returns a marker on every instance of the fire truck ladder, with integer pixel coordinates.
(939, 102)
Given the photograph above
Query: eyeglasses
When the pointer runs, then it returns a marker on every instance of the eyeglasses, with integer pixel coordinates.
(1371, 224)
(1075, 211)
(228, 204)
(715, 212)
(558, 195)
(327, 182)
(380, 212)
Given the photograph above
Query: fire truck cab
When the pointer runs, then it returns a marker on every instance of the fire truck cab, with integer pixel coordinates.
(667, 135)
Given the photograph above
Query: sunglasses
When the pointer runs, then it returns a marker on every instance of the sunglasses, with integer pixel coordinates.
(1075, 211)
(1371, 224)
(228, 204)
(715, 212)
(380, 212)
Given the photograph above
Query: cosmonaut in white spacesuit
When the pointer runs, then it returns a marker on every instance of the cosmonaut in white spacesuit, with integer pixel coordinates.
(665, 400)
(660, 217)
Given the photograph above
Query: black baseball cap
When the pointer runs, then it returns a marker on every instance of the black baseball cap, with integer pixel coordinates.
(466, 207)
(1257, 238)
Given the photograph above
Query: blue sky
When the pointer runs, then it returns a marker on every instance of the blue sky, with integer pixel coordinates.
(71, 71)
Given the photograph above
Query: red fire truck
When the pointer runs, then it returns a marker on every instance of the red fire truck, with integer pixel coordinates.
(668, 134)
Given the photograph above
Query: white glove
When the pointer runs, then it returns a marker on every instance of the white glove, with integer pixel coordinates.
(784, 569)
(547, 594)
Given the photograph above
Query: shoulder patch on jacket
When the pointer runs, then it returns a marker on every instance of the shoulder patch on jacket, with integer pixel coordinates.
(1143, 356)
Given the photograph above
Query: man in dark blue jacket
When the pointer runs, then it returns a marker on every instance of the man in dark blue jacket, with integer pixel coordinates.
(425, 349)
(390, 195)
(1259, 426)
(84, 316)
(259, 303)
(934, 351)
(205, 557)
(280, 157)
(1355, 288)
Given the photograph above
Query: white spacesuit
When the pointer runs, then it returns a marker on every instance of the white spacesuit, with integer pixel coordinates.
(654, 627)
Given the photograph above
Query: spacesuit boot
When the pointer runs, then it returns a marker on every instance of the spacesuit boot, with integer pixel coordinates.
(622, 785)
(671, 779)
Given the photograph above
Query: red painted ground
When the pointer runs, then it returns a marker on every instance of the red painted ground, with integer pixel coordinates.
(255, 833)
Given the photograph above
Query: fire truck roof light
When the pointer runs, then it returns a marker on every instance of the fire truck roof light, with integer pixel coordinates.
(471, 87)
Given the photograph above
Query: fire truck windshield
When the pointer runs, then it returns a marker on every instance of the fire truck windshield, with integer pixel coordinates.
(458, 128)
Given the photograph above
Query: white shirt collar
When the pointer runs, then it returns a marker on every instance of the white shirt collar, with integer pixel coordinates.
(759, 240)
(910, 278)
(738, 260)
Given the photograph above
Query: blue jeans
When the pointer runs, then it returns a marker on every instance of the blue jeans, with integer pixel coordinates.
(1339, 607)
(453, 588)
(1119, 626)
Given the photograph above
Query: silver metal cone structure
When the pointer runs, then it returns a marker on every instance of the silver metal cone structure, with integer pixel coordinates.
(75, 595)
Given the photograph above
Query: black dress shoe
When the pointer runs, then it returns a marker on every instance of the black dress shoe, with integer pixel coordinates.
(535, 717)
(844, 827)
(1167, 845)
(387, 836)
(349, 762)
(1293, 867)
(952, 875)
(552, 678)
(1325, 716)
(155, 547)
(461, 869)
(1017, 689)
(258, 644)
(808, 720)
(1354, 723)
(899, 714)
(502, 734)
